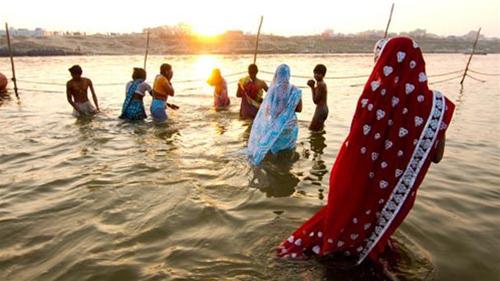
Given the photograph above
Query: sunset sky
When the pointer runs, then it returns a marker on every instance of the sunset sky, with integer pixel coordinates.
(443, 17)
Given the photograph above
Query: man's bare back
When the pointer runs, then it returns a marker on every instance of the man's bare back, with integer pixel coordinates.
(78, 89)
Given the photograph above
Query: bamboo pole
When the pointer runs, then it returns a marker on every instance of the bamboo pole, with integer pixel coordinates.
(470, 58)
(147, 51)
(257, 41)
(11, 60)
(389, 22)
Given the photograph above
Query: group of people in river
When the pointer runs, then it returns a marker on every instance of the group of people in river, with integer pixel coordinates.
(397, 130)
(250, 90)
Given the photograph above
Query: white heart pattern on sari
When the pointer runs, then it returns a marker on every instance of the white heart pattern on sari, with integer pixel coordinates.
(422, 77)
(366, 129)
(375, 85)
(409, 88)
(398, 173)
(394, 101)
(380, 114)
(388, 70)
(401, 56)
(418, 121)
(383, 184)
(388, 144)
(402, 132)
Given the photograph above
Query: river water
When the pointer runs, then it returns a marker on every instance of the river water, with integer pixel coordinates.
(104, 199)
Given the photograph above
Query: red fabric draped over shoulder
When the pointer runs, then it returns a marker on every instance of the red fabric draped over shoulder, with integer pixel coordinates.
(394, 133)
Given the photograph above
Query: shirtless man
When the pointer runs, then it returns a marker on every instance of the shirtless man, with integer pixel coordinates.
(76, 93)
(319, 94)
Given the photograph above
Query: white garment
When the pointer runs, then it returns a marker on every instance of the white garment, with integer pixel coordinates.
(141, 89)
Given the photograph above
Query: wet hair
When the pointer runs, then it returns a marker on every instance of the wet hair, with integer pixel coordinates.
(164, 68)
(320, 68)
(139, 73)
(253, 68)
(75, 70)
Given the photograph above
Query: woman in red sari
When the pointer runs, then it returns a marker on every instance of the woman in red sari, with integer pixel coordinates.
(397, 130)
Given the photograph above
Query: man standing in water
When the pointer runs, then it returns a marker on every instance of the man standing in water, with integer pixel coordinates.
(250, 90)
(76, 93)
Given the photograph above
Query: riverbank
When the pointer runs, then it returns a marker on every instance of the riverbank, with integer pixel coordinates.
(229, 43)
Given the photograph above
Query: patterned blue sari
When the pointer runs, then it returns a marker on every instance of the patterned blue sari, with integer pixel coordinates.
(275, 126)
(133, 109)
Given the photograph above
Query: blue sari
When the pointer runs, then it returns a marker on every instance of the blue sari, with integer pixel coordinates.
(133, 109)
(275, 126)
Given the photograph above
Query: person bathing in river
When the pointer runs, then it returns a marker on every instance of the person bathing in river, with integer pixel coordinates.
(250, 90)
(76, 93)
(162, 88)
(133, 106)
(275, 127)
(397, 130)
(319, 94)
(221, 100)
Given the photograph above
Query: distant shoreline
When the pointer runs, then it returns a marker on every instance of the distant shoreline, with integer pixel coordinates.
(221, 54)
(228, 44)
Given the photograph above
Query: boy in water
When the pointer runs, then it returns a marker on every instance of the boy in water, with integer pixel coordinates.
(76, 93)
(319, 94)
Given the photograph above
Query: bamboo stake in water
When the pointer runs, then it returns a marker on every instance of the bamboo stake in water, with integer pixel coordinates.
(147, 50)
(11, 60)
(257, 41)
(389, 22)
(470, 58)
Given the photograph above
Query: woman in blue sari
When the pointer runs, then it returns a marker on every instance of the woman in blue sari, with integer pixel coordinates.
(133, 106)
(275, 126)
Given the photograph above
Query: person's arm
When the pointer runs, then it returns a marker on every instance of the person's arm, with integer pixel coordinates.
(299, 106)
(320, 93)
(148, 89)
(438, 156)
(264, 86)
(69, 96)
(169, 89)
(94, 97)
(240, 91)
(311, 85)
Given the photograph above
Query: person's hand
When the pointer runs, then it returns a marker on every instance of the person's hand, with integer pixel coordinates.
(311, 83)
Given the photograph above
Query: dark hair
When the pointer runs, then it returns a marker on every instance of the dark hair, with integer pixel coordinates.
(139, 73)
(165, 67)
(75, 69)
(320, 68)
(253, 67)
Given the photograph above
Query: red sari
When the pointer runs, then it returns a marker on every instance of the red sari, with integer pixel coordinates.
(394, 134)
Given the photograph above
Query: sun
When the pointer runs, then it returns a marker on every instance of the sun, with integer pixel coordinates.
(204, 65)
(207, 30)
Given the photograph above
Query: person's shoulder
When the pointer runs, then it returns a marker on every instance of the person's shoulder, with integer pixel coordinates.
(69, 82)
(322, 84)
(87, 80)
